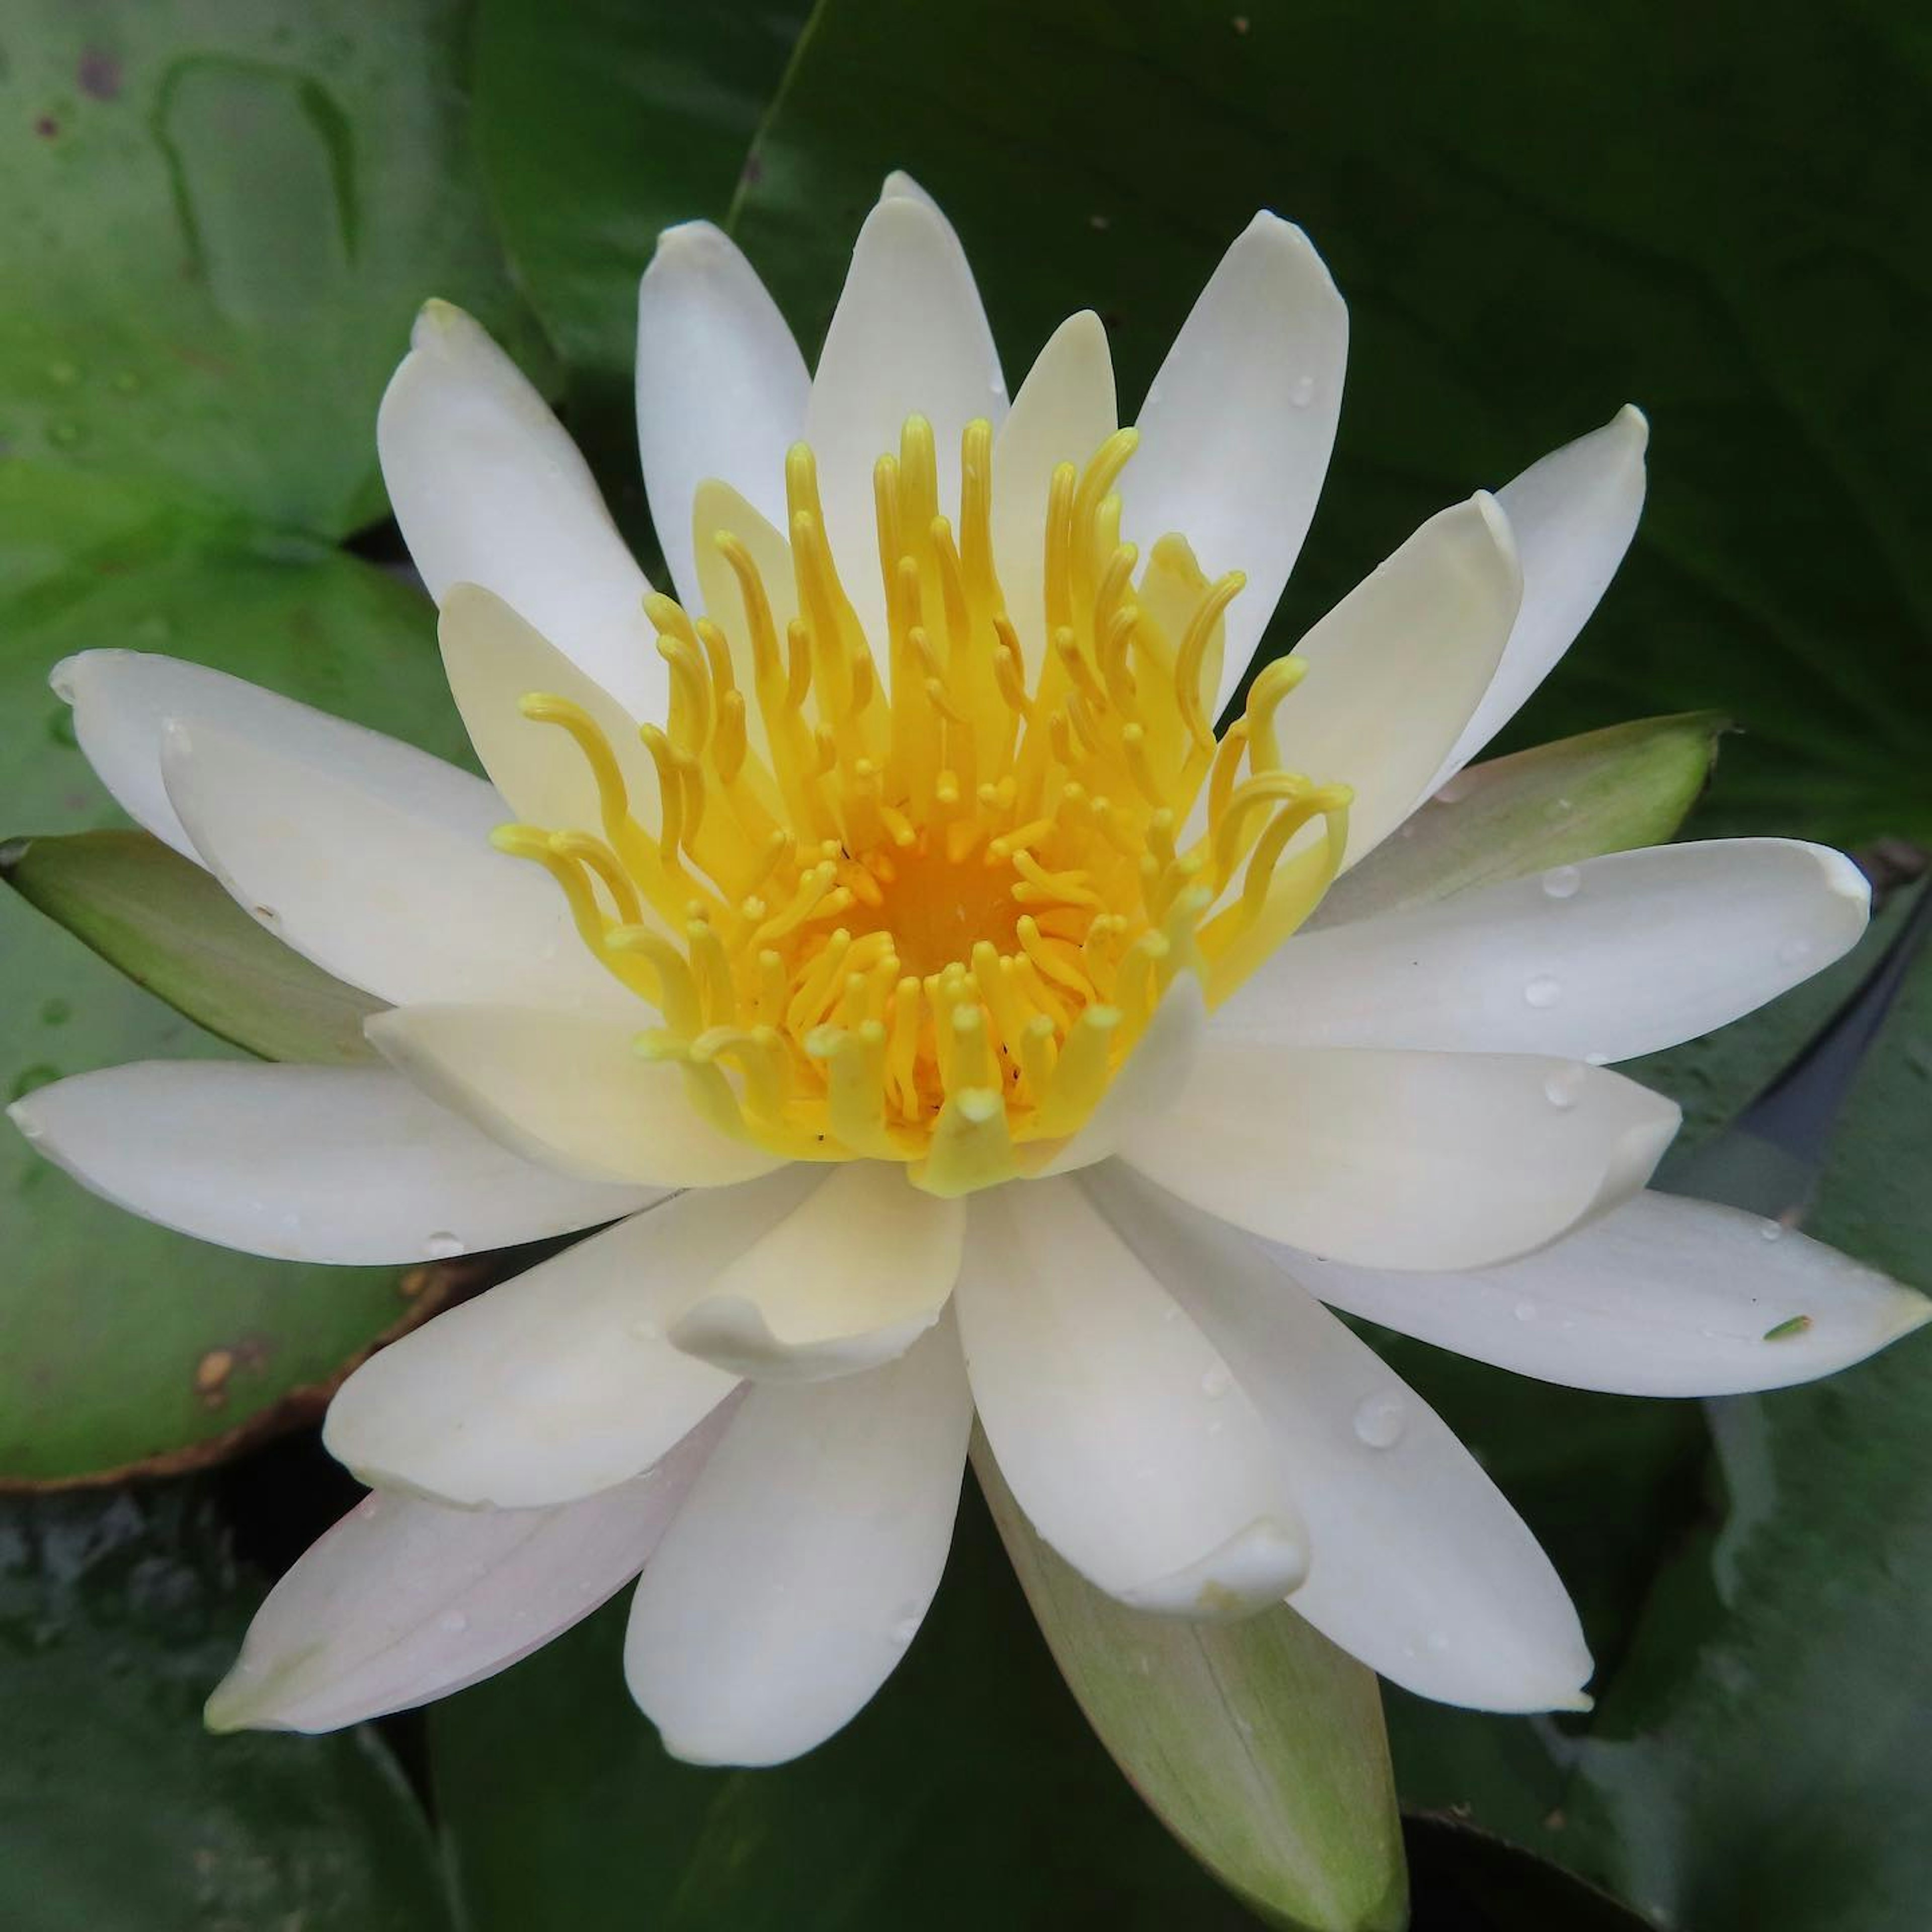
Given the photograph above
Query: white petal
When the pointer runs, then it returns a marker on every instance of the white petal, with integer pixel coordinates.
(795, 1576)
(900, 186)
(1403, 1160)
(1115, 1422)
(1620, 955)
(1419, 1567)
(1155, 1076)
(1065, 410)
(121, 700)
(1395, 670)
(567, 1090)
(1237, 430)
(1661, 1297)
(560, 1383)
(1573, 514)
(489, 490)
(375, 879)
(721, 386)
(405, 1600)
(494, 660)
(909, 337)
(346, 1164)
(852, 1280)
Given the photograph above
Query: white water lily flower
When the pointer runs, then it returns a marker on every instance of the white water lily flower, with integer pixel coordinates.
(920, 967)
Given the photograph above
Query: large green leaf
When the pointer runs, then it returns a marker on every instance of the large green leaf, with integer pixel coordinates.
(1258, 1743)
(1536, 213)
(118, 1813)
(216, 219)
(967, 1795)
(603, 125)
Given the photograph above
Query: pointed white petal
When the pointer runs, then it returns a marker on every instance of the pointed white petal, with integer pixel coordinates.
(909, 337)
(1620, 955)
(721, 386)
(560, 1383)
(405, 1600)
(900, 186)
(345, 1164)
(1403, 1160)
(1420, 1567)
(799, 1569)
(1154, 1078)
(1395, 670)
(494, 660)
(489, 490)
(1115, 1422)
(1661, 1297)
(1237, 430)
(567, 1090)
(853, 1278)
(373, 878)
(1573, 514)
(121, 700)
(1065, 410)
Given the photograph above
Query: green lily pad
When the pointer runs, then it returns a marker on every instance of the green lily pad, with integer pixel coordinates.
(117, 1613)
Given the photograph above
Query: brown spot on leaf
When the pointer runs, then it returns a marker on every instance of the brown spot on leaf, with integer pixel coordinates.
(47, 127)
(210, 1376)
(99, 74)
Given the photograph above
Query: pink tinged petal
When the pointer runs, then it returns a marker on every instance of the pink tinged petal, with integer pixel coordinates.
(560, 1383)
(1115, 1421)
(1403, 1160)
(489, 490)
(909, 337)
(803, 1562)
(1392, 673)
(405, 1600)
(1155, 1076)
(1618, 956)
(122, 700)
(1419, 1567)
(337, 1164)
(375, 877)
(1661, 1297)
(567, 1090)
(851, 1279)
(494, 660)
(1236, 429)
(1574, 515)
(721, 386)
(1065, 410)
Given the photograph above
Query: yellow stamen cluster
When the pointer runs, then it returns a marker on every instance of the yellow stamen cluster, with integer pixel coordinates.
(932, 922)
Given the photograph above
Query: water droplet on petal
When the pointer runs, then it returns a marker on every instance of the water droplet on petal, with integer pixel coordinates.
(1437, 1641)
(1564, 1087)
(1381, 1419)
(1793, 951)
(1561, 882)
(1216, 1382)
(1771, 1230)
(1596, 1059)
(1542, 991)
(1452, 789)
(1525, 1311)
(454, 1621)
(1303, 393)
(441, 1245)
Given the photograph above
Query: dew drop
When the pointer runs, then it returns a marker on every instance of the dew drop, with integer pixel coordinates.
(1793, 951)
(1381, 1419)
(1596, 1059)
(1771, 1230)
(1437, 1641)
(1542, 991)
(1303, 393)
(369, 1506)
(1216, 1382)
(1561, 882)
(1564, 1087)
(1525, 1311)
(454, 1621)
(442, 1246)
(1453, 790)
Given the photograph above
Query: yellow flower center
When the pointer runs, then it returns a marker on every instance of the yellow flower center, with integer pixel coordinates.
(931, 925)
